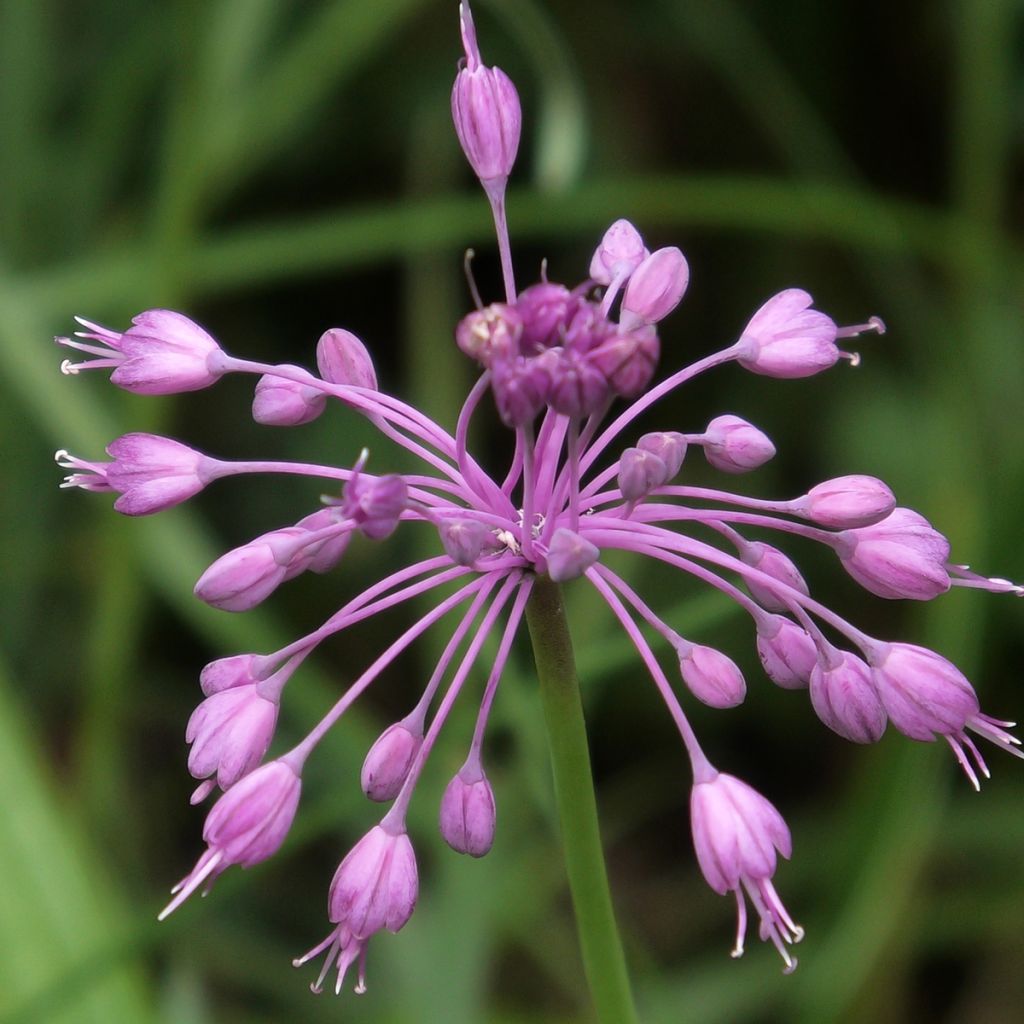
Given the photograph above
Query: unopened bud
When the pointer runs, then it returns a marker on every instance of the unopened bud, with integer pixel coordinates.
(621, 251)
(787, 652)
(733, 445)
(388, 761)
(463, 539)
(570, 555)
(343, 359)
(278, 402)
(655, 288)
(845, 699)
(771, 561)
(669, 446)
(640, 472)
(712, 677)
(847, 502)
(468, 818)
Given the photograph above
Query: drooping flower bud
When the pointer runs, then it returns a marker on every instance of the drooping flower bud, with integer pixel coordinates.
(669, 446)
(342, 358)
(463, 539)
(467, 818)
(733, 445)
(712, 677)
(154, 473)
(279, 402)
(388, 761)
(621, 251)
(786, 338)
(846, 502)
(773, 562)
(375, 503)
(903, 556)
(323, 555)
(655, 288)
(486, 111)
(570, 555)
(225, 673)
(640, 472)
(845, 698)
(490, 334)
(787, 652)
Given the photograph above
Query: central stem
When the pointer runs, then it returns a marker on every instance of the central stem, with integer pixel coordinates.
(603, 958)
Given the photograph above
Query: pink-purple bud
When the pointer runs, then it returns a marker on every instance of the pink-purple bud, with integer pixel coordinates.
(640, 472)
(712, 677)
(225, 673)
(577, 387)
(154, 473)
(627, 359)
(490, 334)
(669, 446)
(845, 699)
(621, 251)
(771, 561)
(342, 358)
(375, 503)
(655, 288)
(388, 761)
(467, 818)
(246, 825)
(786, 338)
(486, 111)
(733, 445)
(903, 556)
(846, 502)
(464, 539)
(279, 402)
(570, 555)
(787, 652)
(520, 389)
(323, 555)
(545, 310)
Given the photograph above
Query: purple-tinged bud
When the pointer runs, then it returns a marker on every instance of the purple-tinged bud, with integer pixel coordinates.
(712, 677)
(785, 338)
(342, 358)
(162, 353)
(375, 503)
(491, 334)
(845, 699)
(467, 818)
(246, 825)
(621, 251)
(903, 556)
(586, 328)
(226, 673)
(464, 539)
(324, 555)
(846, 502)
(486, 111)
(388, 761)
(736, 833)
(520, 390)
(655, 288)
(154, 473)
(771, 561)
(669, 446)
(230, 732)
(627, 360)
(577, 387)
(247, 575)
(640, 472)
(787, 652)
(545, 310)
(279, 402)
(570, 555)
(733, 445)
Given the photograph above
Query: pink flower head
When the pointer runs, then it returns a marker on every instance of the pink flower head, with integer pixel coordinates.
(733, 445)
(927, 696)
(655, 288)
(736, 833)
(711, 676)
(902, 556)
(486, 111)
(388, 761)
(375, 887)
(281, 402)
(162, 353)
(246, 825)
(153, 473)
(621, 251)
(786, 338)
(787, 652)
(467, 818)
(847, 502)
(343, 359)
(844, 697)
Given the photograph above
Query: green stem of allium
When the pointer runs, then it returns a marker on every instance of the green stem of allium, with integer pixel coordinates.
(603, 959)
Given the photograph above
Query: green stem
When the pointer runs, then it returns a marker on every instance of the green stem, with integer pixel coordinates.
(603, 958)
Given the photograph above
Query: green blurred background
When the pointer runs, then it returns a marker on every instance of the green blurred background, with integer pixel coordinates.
(278, 168)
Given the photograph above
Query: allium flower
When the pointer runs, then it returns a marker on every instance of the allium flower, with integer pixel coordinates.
(555, 359)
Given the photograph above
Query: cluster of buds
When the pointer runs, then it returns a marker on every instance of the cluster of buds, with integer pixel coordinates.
(553, 352)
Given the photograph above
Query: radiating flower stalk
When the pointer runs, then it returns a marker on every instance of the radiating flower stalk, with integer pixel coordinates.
(556, 361)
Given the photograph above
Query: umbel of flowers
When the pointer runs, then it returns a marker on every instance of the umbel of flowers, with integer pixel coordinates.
(556, 360)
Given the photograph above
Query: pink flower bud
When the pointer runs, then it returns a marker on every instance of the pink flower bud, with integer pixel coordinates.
(733, 445)
(669, 446)
(736, 833)
(787, 652)
(464, 539)
(627, 360)
(375, 503)
(388, 761)
(486, 111)
(577, 387)
(621, 251)
(570, 555)
(246, 825)
(154, 473)
(785, 338)
(846, 502)
(845, 699)
(467, 818)
(247, 575)
(342, 358)
(322, 556)
(902, 556)
(712, 677)
(655, 288)
(545, 310)
(490, 334)
(225, 673)
(286, 403)
(640, 472)
(520, 390)
(773, 562)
